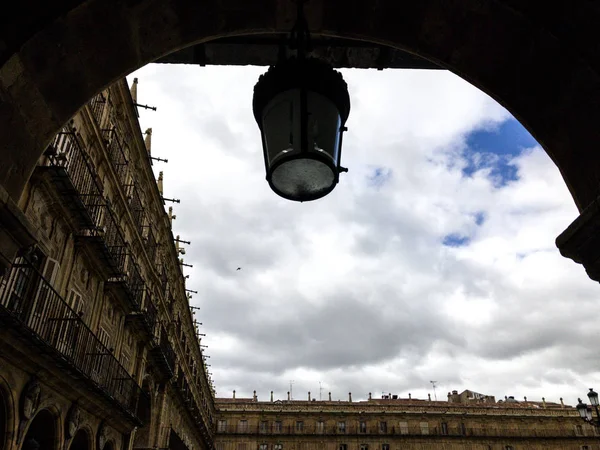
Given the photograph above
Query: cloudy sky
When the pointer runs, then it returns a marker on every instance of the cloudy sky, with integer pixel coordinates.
(433, 259)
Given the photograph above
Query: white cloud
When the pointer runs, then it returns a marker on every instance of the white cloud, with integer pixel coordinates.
(357, 290)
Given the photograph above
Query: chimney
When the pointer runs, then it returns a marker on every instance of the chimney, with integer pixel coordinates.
(234, 394)
(370, 396)
(562, 405)
(309, 396)
(254, 397)
(271, 395)
(148, 140)
(544, 402)
(350, 397)
(288, 395)
(134, 90)
(160, 182)
(330, 396)
(409, 396)
(525, 398)
(429, 397)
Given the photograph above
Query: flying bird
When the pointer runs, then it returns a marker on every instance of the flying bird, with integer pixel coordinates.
(239, 268)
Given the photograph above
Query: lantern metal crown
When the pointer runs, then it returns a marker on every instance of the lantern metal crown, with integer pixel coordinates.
(301, 106)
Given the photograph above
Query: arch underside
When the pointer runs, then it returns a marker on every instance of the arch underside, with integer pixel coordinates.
(537, 59)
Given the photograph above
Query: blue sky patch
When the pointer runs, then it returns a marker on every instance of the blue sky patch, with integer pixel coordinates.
(455, 240)
(493, 149)
(379, 176)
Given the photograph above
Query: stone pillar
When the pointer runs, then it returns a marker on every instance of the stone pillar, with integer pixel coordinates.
(254, 397)
(409, 396)
(271, 395)
(562, 405)
(429, 397)
(309, 396)
(543, 402)
(134, 90)
(148, 141)
(330, 396)
(370, 398)
(581, 240)
(350, 397)
(288, 395)
(234, 394)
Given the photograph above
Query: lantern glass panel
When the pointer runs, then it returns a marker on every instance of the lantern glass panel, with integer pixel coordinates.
(324, 124)
(281, 125)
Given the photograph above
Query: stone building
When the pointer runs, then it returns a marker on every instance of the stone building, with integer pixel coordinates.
(98, 345)
(392, 423)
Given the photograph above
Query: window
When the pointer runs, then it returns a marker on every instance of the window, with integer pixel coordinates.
(299, 426)
(320, 426)
(385, 446)
(444, 428)
(362, 427)
(424, 428)
(578, 430)
(277, 427)
(242, 426)
(263, 447)
(364, 446)
(403, 427)
(125, 360)
(342, 427)
(383, 427)
(264, 426)
(278, 446)
(75, 301)
(463, 429)
(222, 425)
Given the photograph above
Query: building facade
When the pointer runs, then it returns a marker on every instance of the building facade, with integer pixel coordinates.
(98, 346)
(390, 423)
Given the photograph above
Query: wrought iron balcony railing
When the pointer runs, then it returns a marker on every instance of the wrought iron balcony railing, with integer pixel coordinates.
(107, 242)
(353, 432)
(163, 356)
(145, 318)
(31, 304)
(75, 178)
(117, 154)
(97, 105)
(129, 285)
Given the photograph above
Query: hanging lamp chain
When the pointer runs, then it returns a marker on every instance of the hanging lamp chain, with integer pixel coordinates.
(300, 35)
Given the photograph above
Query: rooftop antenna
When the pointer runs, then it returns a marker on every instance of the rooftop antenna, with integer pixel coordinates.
(434, 394)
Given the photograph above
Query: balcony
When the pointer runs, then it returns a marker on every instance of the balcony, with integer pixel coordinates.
(129, 286)
(144, 319)
(117, 153)
(72, 174)
(106, 244)
(272, 429)
(30, 305)
(97, 105)
(163, 356)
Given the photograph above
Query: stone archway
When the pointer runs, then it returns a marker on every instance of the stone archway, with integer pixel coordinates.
(81, 440)
(41, 434)
(537, 60)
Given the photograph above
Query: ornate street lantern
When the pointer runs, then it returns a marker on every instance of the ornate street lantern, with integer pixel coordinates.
(593, 396)
(301, 105)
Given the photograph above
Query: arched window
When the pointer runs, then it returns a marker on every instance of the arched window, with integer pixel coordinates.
(41, 434)
(81, 441)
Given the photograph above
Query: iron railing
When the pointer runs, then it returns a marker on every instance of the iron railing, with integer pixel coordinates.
(272, 428)
(75, 177)
(116, 153)
(97, 105)
(136, 207)
(163, 355)
(29, 299)
(112, 245)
